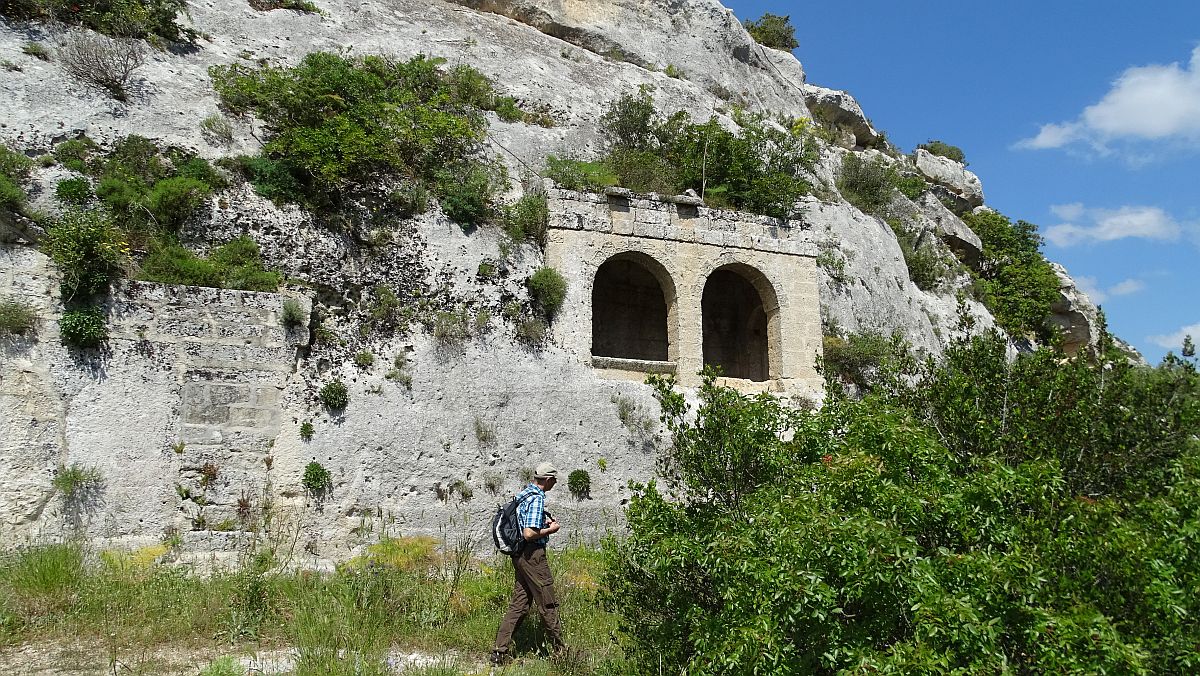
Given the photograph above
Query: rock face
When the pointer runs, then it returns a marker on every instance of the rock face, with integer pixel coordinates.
(959, 184)
(841, 110)
(192, 414)
(1073, 314)
(701, 40)
(950, 229)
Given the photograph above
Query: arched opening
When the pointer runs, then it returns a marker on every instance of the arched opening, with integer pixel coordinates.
(737, 314)
(632, 304)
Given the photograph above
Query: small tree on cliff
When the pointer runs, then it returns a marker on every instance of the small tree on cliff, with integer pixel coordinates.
(774, 31)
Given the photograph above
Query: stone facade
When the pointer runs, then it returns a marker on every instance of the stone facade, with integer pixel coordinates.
(697, 255)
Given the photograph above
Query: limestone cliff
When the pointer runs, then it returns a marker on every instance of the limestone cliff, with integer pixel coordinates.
(179, 389)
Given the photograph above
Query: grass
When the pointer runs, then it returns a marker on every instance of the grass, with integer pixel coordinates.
(411, 594)
(17, 318)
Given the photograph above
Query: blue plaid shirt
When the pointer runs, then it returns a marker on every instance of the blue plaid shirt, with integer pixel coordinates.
(531, 511)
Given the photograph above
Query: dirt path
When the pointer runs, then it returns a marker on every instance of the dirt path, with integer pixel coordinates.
(88, 658)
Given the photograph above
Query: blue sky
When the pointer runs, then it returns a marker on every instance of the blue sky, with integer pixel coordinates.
(1080, 116)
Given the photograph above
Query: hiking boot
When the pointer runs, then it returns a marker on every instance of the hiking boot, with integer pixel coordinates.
(499, 659)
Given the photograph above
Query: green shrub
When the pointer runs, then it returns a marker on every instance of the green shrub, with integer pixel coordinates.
(291, 314)
(507, 110)
(74, 191)
(1017, 282)
(306, 430)
(16, 318)
(233, 265)
(364, 359)
(37, 50)
(83, 327)
(774, 31)
(294, 5)
(904, 543)
(154, 20)
(532, 331)
(273, 179)
(856, 358)
(12, 197)
(316, 478)
(14, 170)
(217, 128)
(466, 192)
(911, 186)
(14, 165)
(945, 150)
(334, 396)
(528, 219)
(486, 270)
(450, 329)
(579, 482)
(868, 185)
(579, 175)
(88, 248)
(75, 154)
(199, 169)
(409, 200)
(548, 289)
(174, 200)
(336, 123)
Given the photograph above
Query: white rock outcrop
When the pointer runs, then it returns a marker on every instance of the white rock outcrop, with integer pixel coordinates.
(841, 110)
(961, 185)
(950, 229)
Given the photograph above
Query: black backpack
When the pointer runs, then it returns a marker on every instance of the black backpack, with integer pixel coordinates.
(507, 532)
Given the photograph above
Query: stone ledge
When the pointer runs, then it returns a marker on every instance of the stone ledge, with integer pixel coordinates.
(638, 365)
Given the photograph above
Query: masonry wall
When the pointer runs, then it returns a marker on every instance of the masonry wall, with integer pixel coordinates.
(190, 377)
(684, 243)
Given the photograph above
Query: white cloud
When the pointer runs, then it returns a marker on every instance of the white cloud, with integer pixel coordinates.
(1146, 103)
(1127, 287)
(1173, 341)
(1106, 225)
(1097, 294)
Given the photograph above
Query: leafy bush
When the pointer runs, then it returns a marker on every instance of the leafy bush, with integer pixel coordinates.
(337, 123)
(83, 327)
(306, 430)
(291, 314)
(579, 175)
(148, 19)
(16, 318)
(74, 191)
(173, 200)
(774, 31)
(217, 128)
(528, 219)
(14, 170)
(868, 185)
(760, 168)
(548, 289)
(1017, 282)
(579, 482)
(450, 329)
(945, 150)
(925, 266)
(335, 396)
(855, 358)
(88, 248)
(37, 50)
(911, 186)
(233, 265)
(316, 478)
(465, 193)
(75, 153)
(100, 61)
(295, 5)
(986, 539)
(364, 359)
(532, 331)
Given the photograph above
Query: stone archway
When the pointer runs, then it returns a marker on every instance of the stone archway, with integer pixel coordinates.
(739, 315)
(633, 309)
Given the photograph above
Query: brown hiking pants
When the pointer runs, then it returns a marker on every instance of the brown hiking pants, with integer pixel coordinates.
(534, 584)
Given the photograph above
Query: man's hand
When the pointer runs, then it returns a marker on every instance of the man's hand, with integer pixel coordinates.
(538, 533)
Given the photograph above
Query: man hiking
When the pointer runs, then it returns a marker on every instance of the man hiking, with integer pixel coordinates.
(534, 582)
